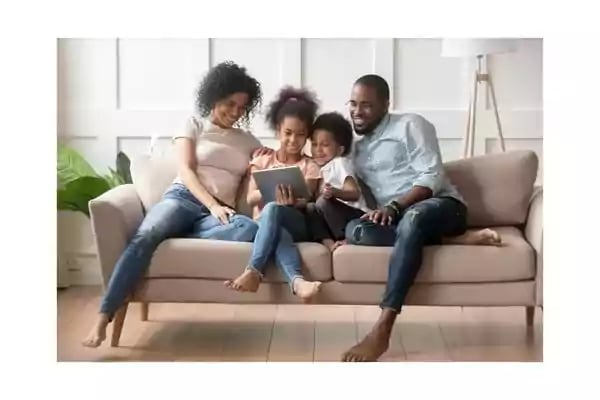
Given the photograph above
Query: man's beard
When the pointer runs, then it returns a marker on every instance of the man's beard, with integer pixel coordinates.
(369, 128)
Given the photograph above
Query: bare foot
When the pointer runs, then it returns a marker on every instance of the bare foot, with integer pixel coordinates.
(330, 244)
(98, 332)
(370, 348)
(306, 290)
(338, 244)
(482, 237)
(248, 281)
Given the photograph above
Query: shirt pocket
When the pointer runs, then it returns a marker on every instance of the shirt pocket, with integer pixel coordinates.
(388, 155)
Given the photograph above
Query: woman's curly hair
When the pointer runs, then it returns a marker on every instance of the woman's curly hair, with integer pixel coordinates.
(223, 80)
(300, 103)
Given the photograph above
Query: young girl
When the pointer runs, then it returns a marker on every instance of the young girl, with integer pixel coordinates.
(283, 222)
(341, 200)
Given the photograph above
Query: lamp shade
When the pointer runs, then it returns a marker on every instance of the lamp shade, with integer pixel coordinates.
(476, 47)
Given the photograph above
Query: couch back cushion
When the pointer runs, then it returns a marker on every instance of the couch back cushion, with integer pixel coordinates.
(496, 187)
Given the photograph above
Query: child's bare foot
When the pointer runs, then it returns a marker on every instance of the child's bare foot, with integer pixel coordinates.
(306, 290)
(330, 244)
(338, 244)
(482, 237)
(248, 281)
(98, 332)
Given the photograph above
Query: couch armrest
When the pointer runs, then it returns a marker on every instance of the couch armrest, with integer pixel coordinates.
(534, 232)
(115, 216)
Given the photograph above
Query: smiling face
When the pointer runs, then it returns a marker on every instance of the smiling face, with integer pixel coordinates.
(229, 110)
(292, 133)
(324, 148)
(366, 108)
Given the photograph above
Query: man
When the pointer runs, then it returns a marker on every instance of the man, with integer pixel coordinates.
(398, 157)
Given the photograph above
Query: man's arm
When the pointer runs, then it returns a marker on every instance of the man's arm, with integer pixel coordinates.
(424, 155)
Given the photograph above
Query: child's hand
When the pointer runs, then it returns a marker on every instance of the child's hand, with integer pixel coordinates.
(284, 195)
(327, 191)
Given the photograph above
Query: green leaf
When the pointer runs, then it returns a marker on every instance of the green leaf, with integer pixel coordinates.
(113, 179)
(76, 194)
(71, 166)
(124, 167)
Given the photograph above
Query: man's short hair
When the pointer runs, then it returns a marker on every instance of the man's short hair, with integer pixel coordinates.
(376, 82)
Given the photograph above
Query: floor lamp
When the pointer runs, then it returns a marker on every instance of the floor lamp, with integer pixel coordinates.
(478, 49)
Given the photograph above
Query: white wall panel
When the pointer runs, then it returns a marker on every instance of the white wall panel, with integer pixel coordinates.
(86, 73)
(160, 74)
(426, 80)
(330, 67)
(137, 146)
(518, 77)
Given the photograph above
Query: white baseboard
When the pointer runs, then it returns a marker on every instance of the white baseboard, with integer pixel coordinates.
(83, 269)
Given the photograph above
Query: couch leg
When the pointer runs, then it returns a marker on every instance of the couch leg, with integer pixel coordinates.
(118, 322)
(144, 311)
(530, 314)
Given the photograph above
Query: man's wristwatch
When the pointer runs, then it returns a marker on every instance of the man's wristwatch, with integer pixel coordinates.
(396, 207)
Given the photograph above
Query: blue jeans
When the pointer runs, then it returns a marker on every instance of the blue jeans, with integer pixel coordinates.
(278, 228)
(178, 214)
(424, 223)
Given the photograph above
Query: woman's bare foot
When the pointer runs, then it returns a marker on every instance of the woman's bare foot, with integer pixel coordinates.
(98, 332)
(482, 237)
(248, 281)
(306, 290)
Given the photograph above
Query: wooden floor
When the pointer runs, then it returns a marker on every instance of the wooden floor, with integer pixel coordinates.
(222, 332)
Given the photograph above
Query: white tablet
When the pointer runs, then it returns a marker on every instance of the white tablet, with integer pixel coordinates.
(268, 179)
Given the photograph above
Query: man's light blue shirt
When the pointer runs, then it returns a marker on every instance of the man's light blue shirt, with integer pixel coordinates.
(402, 152)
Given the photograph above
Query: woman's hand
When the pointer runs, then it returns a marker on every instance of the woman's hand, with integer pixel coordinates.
(261, 151)
(284, 195)
(222, 213)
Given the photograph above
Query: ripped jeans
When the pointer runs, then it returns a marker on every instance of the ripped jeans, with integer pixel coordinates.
(423, 223)
(177, 214)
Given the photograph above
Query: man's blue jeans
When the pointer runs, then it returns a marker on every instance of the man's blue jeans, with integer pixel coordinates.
(278, 228)
(178, 214)
(424, 223)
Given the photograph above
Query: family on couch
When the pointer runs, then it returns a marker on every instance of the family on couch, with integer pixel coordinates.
(396, 155)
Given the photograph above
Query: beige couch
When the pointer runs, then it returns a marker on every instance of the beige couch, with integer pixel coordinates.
(498, 188)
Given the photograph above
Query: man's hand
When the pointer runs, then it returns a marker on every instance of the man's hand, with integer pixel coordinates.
(284, 195)
(383, 216)
(261, 151)
(327, 191)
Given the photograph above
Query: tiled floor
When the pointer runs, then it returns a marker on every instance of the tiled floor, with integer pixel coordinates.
(223, 332)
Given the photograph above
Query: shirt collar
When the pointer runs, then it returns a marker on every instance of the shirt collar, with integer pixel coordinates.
(381, 127)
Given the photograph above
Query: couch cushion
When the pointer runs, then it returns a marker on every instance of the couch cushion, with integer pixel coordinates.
(513, 261)
(216, 259)
(496, 187)
(151, 176)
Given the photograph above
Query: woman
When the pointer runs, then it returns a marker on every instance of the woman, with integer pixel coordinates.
(213, 157)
